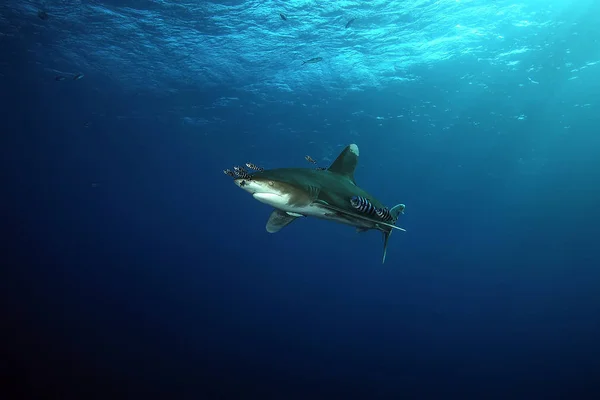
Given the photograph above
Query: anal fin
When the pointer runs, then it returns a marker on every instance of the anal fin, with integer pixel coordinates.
(279, 220)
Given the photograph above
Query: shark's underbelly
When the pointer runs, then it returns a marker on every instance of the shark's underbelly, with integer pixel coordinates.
(310, 209)
(283, 203)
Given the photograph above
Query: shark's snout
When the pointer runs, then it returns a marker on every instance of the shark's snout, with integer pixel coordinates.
(241, 182)
(255, 186)
(247, 184)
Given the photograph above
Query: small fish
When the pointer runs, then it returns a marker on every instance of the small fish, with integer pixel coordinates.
(43, 15)
(239, 170)
(229, 172)
(384, 214)
(77, 77)
(310, 159)
(363, 205)
(59, 78)
(254, 167)
(313, 60)
(283, 17)
(349, 23)
(321, 168)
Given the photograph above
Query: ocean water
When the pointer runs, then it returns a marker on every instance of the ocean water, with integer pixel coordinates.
(132, 266)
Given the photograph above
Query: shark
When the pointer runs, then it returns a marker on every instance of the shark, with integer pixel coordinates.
(321, 193)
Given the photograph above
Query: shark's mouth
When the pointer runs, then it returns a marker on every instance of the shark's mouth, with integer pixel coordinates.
(273, 199)
(267, 197)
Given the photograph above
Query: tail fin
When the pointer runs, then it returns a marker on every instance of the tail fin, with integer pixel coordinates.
(386, 237)
(395, 212)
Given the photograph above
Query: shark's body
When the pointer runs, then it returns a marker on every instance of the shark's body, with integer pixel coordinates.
(325, 194)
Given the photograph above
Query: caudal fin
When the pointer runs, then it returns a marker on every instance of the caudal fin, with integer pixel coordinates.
(395, 212)
(386, 237)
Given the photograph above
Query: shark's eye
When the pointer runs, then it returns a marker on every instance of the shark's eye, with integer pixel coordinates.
(271, 183)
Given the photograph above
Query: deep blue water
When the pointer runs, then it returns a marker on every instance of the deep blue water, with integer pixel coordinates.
(132, 266)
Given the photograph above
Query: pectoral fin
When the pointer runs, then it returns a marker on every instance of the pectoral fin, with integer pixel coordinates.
(278, 220)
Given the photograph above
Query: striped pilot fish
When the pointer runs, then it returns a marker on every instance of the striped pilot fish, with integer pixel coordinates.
(239, 172)
(384, 214)
(254, 167)
(365, 206)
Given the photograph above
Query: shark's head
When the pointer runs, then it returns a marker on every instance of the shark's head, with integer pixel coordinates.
(272, 191)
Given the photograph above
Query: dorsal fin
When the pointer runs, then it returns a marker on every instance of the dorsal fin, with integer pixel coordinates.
(346, 162)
